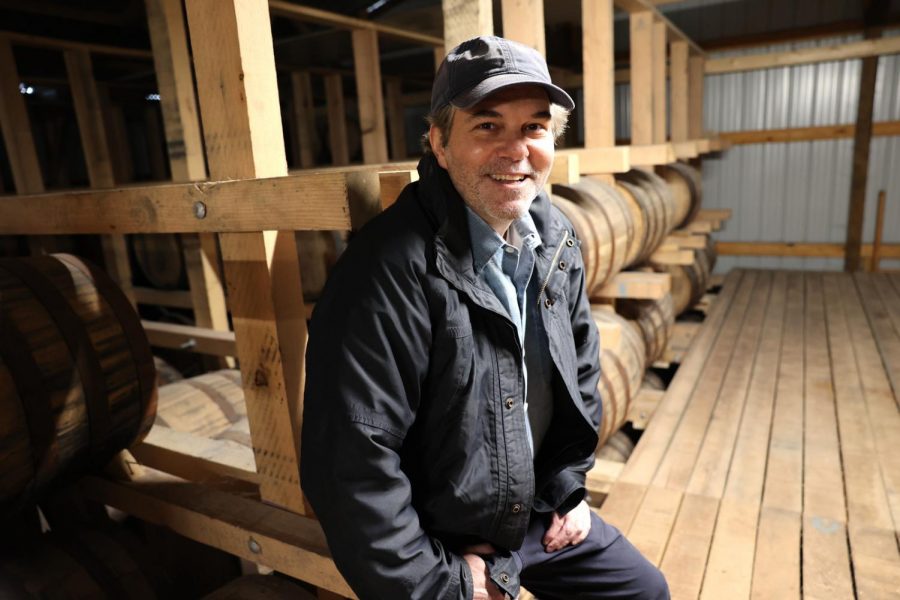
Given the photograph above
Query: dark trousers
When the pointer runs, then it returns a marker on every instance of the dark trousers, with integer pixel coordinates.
(605, 565)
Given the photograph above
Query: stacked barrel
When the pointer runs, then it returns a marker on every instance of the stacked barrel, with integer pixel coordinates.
(621, 223)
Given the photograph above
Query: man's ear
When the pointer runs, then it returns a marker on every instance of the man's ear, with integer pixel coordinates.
(436, 139)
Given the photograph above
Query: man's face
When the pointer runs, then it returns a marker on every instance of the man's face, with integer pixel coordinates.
(499, 153)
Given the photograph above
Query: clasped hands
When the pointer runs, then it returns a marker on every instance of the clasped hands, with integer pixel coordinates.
(568, 530)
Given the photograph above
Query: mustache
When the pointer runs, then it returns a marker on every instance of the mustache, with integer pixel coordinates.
(508, 169)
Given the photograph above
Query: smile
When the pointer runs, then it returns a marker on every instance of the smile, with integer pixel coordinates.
(511, 177)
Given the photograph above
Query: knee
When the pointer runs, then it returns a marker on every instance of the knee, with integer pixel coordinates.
(653, 584)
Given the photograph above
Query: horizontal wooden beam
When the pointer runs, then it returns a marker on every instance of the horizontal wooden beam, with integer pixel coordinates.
(802, 249)
(324, 17)
(696, 242)
(636, 6)
(802, 56)
(592, 161)
(566, 169)
(806, 134)
(673, 257)
(252, 530)
(37, 41)
(301, 202)
(652, 155)
(637, 285)
(190, 338)
(713, 214)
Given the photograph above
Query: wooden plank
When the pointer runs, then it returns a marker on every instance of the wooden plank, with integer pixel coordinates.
(729, 568)
(696, 242)
(642, 407)
(802, 56)
(659, 82)
(25, 39)
(523, 21)
(822, 250)
(238, 93)
(465, 19)
(566, 169)
(598, 161)
(649, 532)
(599, 67)
(882, 303)
(367, 66)
(97, 155)
(805, 134)
(826, 562)
(680, 340)
(656, 154)
(190, 337)
(635, 6)
(294, 202)
(304, 117)
(641, 40)
(337, 119)
(309, 14)
(696, 66)
(392, 183)
(396, 122)
(155, 297)
(685, 558)
(679, 78)
(862, 139)
(685, 150)
(263, 534)
(777, 559)
(16, 127)
(600, 478)
(637, 284)
(713, 214)
(672, 257)
(875, 260)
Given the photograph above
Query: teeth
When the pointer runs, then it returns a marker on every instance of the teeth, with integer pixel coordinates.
(508, 177)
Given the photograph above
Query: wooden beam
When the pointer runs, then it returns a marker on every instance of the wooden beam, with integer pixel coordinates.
(392, 183)
(315, 15)
(295, 202)
(169, 298)
(337, 119)
(609, 159)
(680, 103)
(641, 28)
(875, 259)
(599, 67)
(16, 126)
(465, 19)
(805, 134)
(393, 89)
(97, 154)
(862, 140)
(803, 56)
(238, 92)
(804, 249)
(657, 154)
(523, 21)
(638, 285)
(695, 96)
(188, 337)
(304, 117)
(659, 83)
(37, 41)
(260, 533)
(367, 66)
(638, 6)
(566, 169)
(713, 214)
(673, 257)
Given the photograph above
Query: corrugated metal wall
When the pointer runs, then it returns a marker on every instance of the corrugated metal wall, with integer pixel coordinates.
(798, 191)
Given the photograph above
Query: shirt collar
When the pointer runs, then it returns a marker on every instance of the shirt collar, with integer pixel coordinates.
(486, 241)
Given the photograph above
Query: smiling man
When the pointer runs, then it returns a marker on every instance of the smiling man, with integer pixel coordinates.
(451, 406)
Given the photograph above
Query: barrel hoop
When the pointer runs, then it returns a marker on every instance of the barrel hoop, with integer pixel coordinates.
(78, 342)
(33, 394)
(81, 553)
(218, 399)
(127, 318)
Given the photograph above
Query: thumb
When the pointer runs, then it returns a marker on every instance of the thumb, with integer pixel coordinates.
(553, 530)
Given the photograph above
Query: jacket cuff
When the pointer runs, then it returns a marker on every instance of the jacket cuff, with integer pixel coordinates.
(562, 493)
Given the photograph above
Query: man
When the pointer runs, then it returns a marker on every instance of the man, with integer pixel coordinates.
(451, 405)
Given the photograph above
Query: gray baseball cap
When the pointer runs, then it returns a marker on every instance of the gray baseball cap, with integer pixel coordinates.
(481, 66)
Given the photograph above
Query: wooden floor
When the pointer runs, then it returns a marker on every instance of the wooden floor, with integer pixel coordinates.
(772, 466)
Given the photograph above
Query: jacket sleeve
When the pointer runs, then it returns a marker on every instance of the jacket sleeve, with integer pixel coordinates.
(567, 489)
(366, 360)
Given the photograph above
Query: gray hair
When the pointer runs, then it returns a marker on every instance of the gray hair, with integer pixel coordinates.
(442, 119)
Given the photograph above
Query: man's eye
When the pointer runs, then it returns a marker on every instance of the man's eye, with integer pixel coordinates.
(486, 126)
(536, 127)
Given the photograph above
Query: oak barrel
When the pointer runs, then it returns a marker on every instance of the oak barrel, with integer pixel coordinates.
(77, 381)
(657, 207)
(686, 186)
(622, 364)
(617, 448)
(653, 320)
(160, 258)
(204, 405)
(689, 282)
(588, 229)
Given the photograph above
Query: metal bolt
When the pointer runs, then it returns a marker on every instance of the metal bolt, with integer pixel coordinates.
(199, 210)
(254, 546)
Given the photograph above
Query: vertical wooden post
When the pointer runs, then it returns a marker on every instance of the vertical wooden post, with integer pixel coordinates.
(367, 67)
(599, 74)
(337, 119)
(16, 126)
(304, 117)
(116, 137)
(679, 78)
(465, 19)
(696, 66)
(394, 97)
(156, 146)
(641, 29)
(238, 93)
(184, 143)
(97, 155)
(861, 141)
(659, 82)
(523, 21)
(875, 263)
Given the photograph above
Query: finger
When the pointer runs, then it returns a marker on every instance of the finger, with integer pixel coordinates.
(483, 548)
(556, 525)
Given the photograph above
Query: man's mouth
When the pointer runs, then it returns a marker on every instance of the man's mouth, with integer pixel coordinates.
(503, 177)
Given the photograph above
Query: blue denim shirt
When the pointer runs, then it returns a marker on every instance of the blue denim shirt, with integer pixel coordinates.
(507, 267)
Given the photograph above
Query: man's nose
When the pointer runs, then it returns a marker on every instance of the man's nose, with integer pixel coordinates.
(514, 147)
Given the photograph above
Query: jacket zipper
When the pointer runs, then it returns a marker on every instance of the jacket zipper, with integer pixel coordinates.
(556, 254)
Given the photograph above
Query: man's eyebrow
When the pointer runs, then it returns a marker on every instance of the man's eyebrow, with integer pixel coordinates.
(541, 114)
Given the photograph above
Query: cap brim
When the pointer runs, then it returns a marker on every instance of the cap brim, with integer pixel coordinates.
(492, 84)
